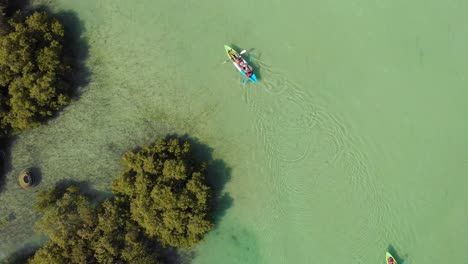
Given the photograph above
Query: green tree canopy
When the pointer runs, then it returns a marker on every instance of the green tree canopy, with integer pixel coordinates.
(68, 220)
(78, 233)
(32, 71)
(119, 239)
(160, 198)
(167, 192)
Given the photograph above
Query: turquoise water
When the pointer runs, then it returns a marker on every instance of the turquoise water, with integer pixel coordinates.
(353, 141)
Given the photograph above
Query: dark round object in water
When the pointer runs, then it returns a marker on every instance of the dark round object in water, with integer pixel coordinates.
(26, 180)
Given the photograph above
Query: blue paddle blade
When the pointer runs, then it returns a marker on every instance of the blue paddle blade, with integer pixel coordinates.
(244, 80)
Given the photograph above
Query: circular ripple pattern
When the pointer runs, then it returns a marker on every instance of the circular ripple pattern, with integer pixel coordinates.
(307, 149)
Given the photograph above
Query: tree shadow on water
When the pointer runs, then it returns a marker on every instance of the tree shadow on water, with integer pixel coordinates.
(22, 255)
(177, 255)
(5, 160)
(218, 174)
(15, 5)
(78, 49)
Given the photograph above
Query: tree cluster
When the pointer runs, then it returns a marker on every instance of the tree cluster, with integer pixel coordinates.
(167, 192)
(80, 233)
(33, 71)
(160, 199)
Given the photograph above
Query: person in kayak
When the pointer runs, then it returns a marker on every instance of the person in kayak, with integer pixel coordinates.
(391, 260)
(242, 64)
(248, 72)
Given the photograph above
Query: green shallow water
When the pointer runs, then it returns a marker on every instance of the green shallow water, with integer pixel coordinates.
(353, 141)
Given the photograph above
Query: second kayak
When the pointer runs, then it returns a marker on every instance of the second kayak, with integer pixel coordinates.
(390, 259)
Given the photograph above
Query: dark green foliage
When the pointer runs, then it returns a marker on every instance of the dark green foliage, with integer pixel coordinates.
(35, 75)
(78, 233)
(32, 71)
(118, 238)
(160, 198)
(69, 221)
(167, 192)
